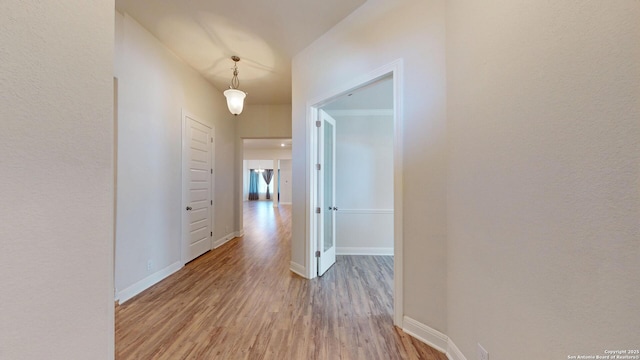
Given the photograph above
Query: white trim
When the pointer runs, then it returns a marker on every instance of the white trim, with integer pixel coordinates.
(364, 251)
(453, 353)
(311, 264)
(396, 69)
(424, 333)
(285, 203)
(223, 240)
(183, 185)
(365, 211)
(212, 190)
(142, 285)
(297, 269)
(433, 338)
(361, 112)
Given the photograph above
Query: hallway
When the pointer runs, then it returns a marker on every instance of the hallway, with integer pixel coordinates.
(241, 301)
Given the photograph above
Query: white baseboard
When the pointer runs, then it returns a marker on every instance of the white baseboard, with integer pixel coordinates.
(297, 269)
(432, 337)
(453, 353)
(225, 239)
(424, 333)
(363, 251)
(285, 203)
(142, 285)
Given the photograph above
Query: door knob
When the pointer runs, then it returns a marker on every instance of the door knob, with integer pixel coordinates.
(335, 208)
(189, 208)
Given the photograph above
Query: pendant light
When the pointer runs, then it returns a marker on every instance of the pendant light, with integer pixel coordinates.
(235, 97)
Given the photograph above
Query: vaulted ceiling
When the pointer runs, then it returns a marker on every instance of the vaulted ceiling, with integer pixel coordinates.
(265, 34)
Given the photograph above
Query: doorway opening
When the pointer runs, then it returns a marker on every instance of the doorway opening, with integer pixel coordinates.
(266, 171)
(366, 176)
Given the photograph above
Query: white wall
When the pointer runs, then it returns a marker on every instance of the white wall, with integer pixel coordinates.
(154, 87)
(364, 184)
(264, 121)
(544, 177)
(376, 34)
(56, 159)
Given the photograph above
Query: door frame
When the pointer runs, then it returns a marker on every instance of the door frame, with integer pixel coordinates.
(395, 69)
(184, 183)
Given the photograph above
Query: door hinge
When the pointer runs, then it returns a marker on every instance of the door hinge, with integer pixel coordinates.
(318, 123)
(211, 202)
(212, 234)
(318, 253)
(318, 210)
(212, 140)
(318, 167)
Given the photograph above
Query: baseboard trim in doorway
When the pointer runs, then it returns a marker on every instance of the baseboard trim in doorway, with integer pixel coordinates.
(432, 337)
(297, 269)
(142, 285)
(364, 251)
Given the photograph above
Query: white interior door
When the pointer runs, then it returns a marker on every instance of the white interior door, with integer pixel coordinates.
(326, 192)
(197, 201)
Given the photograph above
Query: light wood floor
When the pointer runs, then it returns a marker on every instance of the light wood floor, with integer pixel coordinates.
(240, 301)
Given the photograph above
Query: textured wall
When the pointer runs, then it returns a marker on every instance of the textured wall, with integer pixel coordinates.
(56, 149)
(376, 34)
(544, 177)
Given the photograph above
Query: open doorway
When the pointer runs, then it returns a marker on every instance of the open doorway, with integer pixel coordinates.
(357, 100)
(355, 179)
(266, 171)
(364, 169)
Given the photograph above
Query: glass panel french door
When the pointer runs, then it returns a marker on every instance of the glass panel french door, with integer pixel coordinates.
(326, 192)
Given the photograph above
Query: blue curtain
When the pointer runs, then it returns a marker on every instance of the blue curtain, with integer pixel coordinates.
(253, 185)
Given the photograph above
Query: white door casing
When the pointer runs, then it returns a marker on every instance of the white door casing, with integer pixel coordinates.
(326, 192)
(197, 198)
(395, 69)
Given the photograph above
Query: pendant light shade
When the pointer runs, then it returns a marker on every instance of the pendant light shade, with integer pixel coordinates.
(235, 97)
(235, 100)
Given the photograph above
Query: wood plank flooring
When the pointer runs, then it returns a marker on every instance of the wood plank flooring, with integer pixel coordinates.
(240, 301)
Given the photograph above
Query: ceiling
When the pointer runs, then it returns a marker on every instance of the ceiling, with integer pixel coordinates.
(264, 34)
(375, 96)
